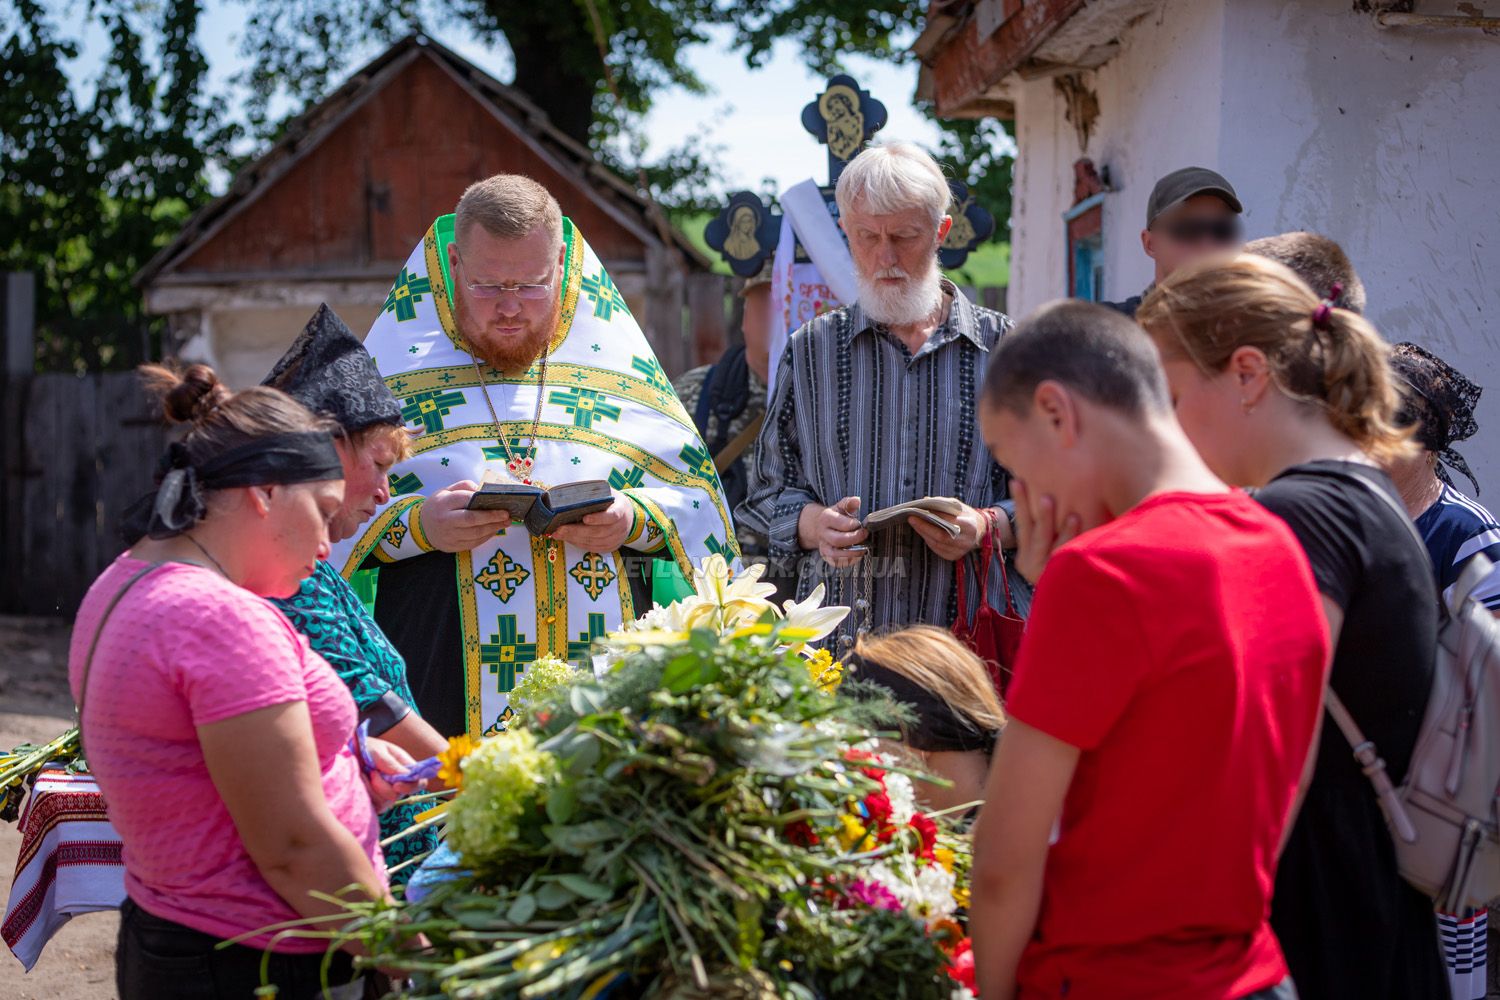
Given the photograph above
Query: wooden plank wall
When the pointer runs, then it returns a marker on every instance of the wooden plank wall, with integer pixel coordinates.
(77, 451)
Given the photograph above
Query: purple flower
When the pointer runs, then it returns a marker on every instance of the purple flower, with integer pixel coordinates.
(869, 894)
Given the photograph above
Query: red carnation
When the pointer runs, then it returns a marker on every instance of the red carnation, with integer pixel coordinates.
(961, 966)
(927, 830)
(859, 756)
(878, 806)
(801, 833)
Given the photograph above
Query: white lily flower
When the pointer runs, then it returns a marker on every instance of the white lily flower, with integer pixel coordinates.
(810, 614)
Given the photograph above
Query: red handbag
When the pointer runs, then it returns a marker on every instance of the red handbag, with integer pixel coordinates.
(993, 635)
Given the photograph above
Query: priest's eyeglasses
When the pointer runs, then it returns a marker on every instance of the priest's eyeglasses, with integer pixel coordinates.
(528, 291)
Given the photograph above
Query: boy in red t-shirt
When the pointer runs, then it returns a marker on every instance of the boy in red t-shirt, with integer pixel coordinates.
(1165, 698)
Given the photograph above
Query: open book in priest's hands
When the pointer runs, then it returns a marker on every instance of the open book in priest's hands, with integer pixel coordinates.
(543, 511)
(926, 509)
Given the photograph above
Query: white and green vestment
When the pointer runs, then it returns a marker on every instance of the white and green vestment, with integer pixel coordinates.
(608, 413)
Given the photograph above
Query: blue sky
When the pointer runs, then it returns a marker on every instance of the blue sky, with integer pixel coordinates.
(753, 114)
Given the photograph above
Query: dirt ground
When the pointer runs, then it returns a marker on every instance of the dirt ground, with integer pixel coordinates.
(79, 962)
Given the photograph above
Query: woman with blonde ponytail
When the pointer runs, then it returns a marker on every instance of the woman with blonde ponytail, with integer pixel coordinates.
(1282, 391)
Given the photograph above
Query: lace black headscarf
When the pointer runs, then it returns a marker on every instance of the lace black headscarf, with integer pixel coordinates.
(1440, 401)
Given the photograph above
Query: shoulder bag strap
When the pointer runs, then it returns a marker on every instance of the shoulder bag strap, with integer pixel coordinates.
(994, 514)
(88, 663)
(742, 441)
(705, 399)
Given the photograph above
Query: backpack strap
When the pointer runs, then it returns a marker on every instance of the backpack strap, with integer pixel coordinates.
(1379, 492)
(1476, 570)
(88, 663)
(1373, 765)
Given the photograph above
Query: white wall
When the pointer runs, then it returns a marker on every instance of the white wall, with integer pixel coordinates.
(1159, 109)
(1387, 141)
(247, 343)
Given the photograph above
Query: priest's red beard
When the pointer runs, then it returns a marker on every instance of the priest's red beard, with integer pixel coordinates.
(505, 350)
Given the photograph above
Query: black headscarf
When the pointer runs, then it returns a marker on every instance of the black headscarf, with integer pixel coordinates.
(1440, 401)
(329, 371)
(179, 503)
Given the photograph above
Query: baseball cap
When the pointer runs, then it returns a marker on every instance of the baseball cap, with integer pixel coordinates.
(1180, 185)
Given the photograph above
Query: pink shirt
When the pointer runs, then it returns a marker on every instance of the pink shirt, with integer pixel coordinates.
(186, 648)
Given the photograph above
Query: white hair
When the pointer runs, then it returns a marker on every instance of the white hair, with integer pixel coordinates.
(894, 177)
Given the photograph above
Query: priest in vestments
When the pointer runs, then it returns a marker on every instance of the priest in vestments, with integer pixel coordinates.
(514, 355)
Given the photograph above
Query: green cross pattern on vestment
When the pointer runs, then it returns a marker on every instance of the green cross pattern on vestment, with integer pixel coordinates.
(627, 478)
(585, 642)
(429, 408)
(405, 294)
(584, 406)
(719, 548)
(518, 448)
(501, 576)
(507, 652)
(402, 485)
(699, 461)
(593, 574)
(651, 371)
(601, 290)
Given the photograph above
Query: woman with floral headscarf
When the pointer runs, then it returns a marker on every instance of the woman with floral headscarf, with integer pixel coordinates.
(1439, 401)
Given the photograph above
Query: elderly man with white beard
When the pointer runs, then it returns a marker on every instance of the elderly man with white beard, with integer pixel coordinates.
(874, 405)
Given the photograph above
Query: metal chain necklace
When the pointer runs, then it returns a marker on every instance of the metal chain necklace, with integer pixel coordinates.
(519, 466)
(207, 554)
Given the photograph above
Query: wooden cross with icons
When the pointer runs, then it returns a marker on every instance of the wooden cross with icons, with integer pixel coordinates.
(843, 118)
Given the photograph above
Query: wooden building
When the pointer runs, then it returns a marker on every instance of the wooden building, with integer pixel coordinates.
(331, 211)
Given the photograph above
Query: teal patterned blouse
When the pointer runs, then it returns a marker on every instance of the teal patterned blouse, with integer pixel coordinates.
(339, 629)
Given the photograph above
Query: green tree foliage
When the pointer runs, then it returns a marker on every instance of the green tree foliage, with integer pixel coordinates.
(981, 154)
(97, 175)
(300, 48)
(91, 189)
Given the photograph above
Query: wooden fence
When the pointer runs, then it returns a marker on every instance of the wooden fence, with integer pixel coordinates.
(76, 451)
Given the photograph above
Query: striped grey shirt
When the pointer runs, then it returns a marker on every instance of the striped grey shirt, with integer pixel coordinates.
(856, 414)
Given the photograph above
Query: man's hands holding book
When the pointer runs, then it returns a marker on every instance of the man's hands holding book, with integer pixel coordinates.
(971, 525)
(835, 533)
(602, 531)
(451, 527)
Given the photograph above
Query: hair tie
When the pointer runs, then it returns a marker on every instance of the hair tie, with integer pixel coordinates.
(1322, 316)
(1334, 291)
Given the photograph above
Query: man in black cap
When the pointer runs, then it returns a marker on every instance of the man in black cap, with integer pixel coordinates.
(1191, 212)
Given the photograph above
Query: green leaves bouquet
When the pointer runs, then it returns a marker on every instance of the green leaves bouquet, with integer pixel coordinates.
(706, 817)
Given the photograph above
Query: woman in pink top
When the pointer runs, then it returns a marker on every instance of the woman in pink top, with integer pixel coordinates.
(220, 740)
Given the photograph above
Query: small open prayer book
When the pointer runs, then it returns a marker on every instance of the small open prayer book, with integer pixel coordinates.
(927, 509)
(543, 511)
